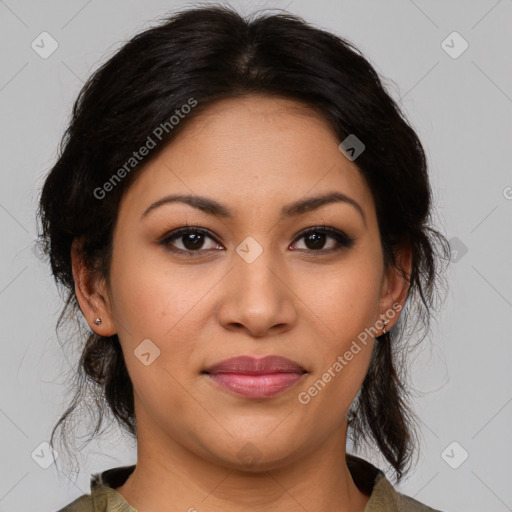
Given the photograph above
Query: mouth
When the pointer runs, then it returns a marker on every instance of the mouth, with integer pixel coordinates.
(250, 377)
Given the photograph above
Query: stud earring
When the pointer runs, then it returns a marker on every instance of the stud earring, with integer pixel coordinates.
(385, 322)
(97, 321)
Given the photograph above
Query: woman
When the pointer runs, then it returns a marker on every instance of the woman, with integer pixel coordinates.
(241, 213)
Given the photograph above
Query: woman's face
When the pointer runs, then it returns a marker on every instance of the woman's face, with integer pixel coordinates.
(251, 283)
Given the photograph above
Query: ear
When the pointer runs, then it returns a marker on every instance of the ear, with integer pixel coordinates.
(92, 294)
(395, 286)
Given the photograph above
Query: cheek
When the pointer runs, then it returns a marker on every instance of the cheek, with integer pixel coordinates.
(152, 303)
(150, 297)
(346, 302)
(167, 305)
(346, 298)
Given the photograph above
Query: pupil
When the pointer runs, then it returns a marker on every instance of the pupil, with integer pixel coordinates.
(318, 240)
(192, 241)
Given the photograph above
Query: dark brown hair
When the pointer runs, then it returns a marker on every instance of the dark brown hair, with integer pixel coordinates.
(208, 54)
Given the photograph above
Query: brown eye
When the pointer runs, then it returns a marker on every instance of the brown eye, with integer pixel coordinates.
(191, 240)
(316, 238)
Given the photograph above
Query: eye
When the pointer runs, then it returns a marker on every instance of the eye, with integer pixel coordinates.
(316, 237)
(191, 240)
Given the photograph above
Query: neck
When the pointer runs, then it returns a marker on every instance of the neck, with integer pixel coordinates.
(170, 477)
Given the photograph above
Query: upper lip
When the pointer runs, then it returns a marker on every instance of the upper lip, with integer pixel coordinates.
(256, 366)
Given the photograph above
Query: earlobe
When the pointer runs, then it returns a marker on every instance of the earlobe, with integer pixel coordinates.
(92, 294)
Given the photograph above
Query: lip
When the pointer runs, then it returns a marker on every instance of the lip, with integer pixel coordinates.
(252, 377)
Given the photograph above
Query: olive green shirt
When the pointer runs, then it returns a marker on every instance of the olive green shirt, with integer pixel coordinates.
(368, 478)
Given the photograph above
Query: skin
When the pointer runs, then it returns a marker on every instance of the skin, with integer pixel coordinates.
(254, 155)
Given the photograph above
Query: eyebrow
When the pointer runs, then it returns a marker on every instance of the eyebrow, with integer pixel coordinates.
(212, 207)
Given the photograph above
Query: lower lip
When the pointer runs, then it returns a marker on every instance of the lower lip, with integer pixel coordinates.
(256, 386)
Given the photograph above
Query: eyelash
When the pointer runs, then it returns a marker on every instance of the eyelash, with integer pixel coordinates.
(342, 239)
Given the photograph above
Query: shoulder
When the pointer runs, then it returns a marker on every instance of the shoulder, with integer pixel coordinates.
(409, 504)
(103, 496)
(386, 497)
(82, 504)
(383, 496)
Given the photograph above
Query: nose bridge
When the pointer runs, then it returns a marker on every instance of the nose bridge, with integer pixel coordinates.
(258, 297)
(257, 267)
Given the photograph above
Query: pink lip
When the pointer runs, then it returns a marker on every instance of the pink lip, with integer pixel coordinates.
(256, 378)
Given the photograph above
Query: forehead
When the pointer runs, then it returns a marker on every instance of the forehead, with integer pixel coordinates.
(252, 152)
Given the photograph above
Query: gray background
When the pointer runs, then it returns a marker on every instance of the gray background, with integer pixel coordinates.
(461, 108)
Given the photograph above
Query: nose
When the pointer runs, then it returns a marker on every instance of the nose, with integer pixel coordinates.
(258, 298)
